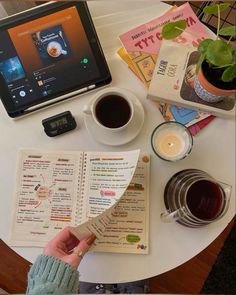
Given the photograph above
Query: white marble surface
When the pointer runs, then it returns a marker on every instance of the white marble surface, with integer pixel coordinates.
(213, 151)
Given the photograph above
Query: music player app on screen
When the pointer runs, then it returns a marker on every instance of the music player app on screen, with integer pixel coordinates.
(45, 56)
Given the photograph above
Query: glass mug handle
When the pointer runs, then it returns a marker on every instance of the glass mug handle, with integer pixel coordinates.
(170, 216)
(227, 193)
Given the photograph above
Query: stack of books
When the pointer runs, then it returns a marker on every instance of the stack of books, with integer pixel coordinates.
(140, 51)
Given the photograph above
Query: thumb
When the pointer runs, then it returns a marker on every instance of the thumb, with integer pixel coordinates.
(79, 251)
(85, 244)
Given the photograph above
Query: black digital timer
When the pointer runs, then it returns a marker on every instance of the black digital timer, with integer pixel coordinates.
(59, 124)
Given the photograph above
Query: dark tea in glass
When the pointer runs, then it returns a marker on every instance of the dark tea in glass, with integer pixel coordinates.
(194, 198)
(205, 199)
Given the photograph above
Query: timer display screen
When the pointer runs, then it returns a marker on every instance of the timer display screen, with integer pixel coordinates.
(58, 123)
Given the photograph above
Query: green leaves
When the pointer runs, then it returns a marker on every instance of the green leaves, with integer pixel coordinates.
(173, 29)
(229, 74)
(213, 8)
(204, 45)
(219, 53)
(228, 31)
(200, 61)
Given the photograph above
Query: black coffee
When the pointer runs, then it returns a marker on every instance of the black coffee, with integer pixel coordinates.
(204, 199)
(113, 111)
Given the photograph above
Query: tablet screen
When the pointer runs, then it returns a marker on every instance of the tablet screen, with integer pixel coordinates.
(47, 56)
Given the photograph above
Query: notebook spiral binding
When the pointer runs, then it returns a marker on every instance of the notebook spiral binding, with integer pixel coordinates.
(81, 191)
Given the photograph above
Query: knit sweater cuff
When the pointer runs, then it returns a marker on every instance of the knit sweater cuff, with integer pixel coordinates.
(50, 275)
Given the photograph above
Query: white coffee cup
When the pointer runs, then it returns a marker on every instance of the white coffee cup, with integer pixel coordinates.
(111, 108)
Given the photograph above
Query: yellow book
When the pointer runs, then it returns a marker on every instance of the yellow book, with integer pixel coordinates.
(140, 50)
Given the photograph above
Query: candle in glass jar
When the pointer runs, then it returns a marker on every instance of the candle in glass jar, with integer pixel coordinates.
(171, 141)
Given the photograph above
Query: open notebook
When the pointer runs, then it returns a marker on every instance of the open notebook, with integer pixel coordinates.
(105, 193)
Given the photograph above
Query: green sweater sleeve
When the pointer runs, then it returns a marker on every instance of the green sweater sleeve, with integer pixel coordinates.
(49, 275)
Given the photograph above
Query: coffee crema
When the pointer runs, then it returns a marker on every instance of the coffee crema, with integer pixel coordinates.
(53, 51)
(113, 111)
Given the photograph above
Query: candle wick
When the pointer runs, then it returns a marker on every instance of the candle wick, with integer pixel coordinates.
(170, 144)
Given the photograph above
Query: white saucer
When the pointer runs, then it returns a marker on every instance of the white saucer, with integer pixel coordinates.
(119, 137)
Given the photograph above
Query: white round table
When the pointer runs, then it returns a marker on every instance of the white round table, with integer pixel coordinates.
(213, 151)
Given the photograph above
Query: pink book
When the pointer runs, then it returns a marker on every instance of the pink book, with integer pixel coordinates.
(142, 45)
(147, 37)
(195, 128)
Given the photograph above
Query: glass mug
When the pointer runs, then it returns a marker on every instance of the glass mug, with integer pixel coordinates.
(194, 198)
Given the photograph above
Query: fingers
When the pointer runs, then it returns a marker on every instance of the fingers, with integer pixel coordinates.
(64, 242)
(90, 240)
(79, 251)
(72, 242)
(64, 235)
(84, 246)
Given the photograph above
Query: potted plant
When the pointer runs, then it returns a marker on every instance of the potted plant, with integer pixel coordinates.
(216, 69)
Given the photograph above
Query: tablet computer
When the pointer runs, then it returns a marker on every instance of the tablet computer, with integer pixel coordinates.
(48, 54)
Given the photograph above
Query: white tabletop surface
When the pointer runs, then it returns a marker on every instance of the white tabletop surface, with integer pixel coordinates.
(213, 151)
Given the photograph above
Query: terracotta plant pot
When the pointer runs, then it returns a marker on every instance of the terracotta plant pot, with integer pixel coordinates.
(208, 92)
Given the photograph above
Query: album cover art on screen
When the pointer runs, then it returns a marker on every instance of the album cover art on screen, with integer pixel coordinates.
(48, 54)
(12, 69)
(52, 44)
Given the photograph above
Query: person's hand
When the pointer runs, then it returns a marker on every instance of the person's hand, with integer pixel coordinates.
(66, 247)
